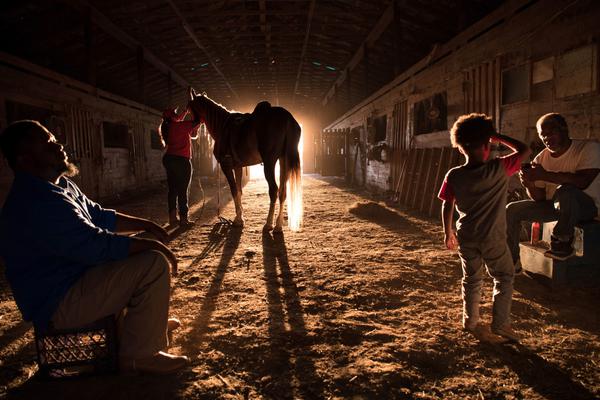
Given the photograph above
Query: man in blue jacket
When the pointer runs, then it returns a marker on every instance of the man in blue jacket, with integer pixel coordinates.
(68, 260)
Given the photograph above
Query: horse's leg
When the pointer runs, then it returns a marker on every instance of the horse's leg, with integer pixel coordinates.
(282, 194)
(239, 211)
(228, 171)
(270, 177)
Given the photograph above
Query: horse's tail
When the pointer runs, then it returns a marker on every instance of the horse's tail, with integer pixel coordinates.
(294, 171)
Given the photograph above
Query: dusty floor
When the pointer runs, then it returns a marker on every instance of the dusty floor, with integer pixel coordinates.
(363, 303)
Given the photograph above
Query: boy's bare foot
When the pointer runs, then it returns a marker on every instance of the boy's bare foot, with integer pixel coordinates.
(507, 332)
(484, 334)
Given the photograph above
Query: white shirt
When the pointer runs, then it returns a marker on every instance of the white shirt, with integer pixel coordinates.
(582, 154)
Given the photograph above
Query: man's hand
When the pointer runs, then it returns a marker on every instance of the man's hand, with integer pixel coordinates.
(138, 245)
(534, 173)
(158, 231)
(450, 240)
(170, 256)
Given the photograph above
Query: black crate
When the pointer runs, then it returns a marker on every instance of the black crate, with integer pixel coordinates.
(90, 349)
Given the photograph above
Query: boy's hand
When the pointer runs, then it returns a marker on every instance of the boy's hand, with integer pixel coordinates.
(450, 240)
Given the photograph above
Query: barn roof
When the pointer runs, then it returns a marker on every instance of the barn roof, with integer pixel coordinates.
(289, 52)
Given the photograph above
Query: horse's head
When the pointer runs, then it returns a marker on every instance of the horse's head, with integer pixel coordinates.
(198, 105)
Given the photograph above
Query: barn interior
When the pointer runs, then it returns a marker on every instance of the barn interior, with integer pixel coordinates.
(376, 86)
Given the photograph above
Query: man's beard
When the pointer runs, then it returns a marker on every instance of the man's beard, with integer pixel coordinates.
(69, 169)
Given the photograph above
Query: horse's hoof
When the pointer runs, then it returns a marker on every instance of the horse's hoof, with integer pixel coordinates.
(267, 228)
(238, 223)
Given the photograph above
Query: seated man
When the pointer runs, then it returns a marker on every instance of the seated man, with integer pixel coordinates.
(69, 264)
(563, 184)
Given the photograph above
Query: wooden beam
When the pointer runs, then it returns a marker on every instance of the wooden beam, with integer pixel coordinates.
(140, 74)
(501, 14)
(311, 11)
(190, 31)
(381, 25)
(107, 26)
(90, 54)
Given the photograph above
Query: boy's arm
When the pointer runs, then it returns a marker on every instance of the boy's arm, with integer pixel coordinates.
(447, 217)
(515, 145)
(512, 162)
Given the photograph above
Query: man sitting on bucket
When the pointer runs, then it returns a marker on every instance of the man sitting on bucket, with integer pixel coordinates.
(563, 184)
(68, 262)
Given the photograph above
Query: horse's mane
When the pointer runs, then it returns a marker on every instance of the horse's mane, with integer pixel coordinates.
(219, 105)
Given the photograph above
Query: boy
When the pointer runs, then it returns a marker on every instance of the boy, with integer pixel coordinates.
(478, 189)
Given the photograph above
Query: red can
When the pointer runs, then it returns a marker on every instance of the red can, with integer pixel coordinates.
(535, 232)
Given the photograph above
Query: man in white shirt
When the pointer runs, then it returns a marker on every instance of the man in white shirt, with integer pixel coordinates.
(563, 184)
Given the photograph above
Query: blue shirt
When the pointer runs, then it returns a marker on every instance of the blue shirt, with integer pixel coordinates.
(49, 236)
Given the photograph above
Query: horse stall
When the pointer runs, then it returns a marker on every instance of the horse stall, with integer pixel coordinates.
(113, 141)
(332, 151)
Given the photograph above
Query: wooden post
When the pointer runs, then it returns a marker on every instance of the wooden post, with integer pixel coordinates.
(90, 55)
(140, 73)
(170, 88)
(366, 64)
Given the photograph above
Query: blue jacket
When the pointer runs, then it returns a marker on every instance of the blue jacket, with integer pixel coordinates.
(49, 236)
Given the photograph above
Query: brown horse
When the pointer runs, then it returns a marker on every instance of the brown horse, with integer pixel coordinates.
(265, 136)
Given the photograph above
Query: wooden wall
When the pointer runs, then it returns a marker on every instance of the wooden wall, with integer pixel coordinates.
(76, 113)
(525, 59)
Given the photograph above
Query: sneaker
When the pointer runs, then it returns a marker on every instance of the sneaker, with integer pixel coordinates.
(484, 334)
(507, 332)
(560, 250)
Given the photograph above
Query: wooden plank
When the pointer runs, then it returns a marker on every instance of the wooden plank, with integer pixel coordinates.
(425, 191)
(416, 177)
(429, 191)
(412, 158)
(441, 170)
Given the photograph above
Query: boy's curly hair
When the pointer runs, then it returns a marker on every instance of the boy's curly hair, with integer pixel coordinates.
(471, 131)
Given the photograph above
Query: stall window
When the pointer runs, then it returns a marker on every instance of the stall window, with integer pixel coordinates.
(115, 135)
(430, 115)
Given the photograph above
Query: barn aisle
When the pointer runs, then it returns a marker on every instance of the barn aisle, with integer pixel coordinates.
(363, 303)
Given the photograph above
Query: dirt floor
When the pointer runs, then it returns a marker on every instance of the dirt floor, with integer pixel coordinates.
(363, 303)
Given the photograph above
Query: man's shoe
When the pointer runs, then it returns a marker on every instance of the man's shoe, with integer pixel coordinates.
(560, 250)
(507, 332)
(173, 324)
(159, 364)
(484, 334)
(518, 267)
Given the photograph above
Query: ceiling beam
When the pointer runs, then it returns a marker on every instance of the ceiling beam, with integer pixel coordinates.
(311, 11)
(100, 20)
(381, 25)
(190, 31)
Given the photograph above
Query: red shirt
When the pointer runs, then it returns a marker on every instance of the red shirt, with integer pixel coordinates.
(179, 138)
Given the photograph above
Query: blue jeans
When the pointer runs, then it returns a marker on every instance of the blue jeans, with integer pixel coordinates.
(568, 207)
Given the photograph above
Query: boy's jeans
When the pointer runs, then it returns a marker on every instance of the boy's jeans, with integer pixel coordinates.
(568, 207)
(496, 257)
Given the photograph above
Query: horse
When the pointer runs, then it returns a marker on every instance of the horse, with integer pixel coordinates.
(267, 135)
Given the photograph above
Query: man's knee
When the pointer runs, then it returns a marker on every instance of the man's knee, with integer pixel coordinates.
(516, 209)
(565, 194)
(159, 264)
(151, 265)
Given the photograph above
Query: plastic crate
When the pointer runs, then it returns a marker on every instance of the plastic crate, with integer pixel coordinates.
(90, 349)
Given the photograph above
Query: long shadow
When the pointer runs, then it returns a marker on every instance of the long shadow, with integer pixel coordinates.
(385, 217)
(542, 376)
(295, 342)
(229, 237)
